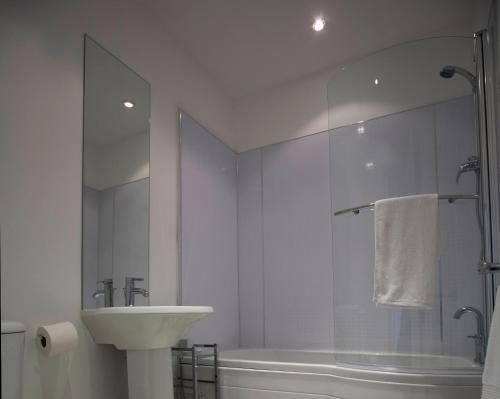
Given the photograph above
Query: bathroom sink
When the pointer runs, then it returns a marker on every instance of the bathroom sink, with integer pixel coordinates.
(142, 327)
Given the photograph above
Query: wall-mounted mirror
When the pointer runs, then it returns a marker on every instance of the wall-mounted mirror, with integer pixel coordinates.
(115, 248)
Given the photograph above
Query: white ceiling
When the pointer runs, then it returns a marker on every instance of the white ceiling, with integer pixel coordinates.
(249, 46)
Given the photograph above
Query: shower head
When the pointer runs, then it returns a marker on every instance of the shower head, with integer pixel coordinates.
(447, 72)
(450, 70)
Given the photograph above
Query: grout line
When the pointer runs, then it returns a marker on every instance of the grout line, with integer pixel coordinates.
(330, 168)
(237, 164)
(440, 263)
(261, 157)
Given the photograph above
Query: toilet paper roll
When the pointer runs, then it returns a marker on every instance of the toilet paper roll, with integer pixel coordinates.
(55, 339)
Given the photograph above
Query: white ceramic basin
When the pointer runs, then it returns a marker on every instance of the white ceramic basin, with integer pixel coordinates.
(142, 327)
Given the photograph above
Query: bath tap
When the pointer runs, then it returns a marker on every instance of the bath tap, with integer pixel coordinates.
(131, 291)
(472, 164)
(480, 336)
(107, 292)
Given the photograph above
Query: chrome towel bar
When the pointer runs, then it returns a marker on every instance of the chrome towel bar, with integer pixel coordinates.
(450, 198)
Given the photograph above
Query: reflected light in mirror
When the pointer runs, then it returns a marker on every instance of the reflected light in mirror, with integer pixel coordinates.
(128, 104)
(319, 24)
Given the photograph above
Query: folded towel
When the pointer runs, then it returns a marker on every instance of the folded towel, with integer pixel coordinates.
(491, 374)
(406, 251)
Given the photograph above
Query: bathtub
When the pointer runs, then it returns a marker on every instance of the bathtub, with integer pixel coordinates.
(294, 374)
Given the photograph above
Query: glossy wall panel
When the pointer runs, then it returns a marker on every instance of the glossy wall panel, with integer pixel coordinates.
(412, 152)
(305, 278)
(209, 234)
(385, 157)
(297, 260)
(459, 232)
(250, 249)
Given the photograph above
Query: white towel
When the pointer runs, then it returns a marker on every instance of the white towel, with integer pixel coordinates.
(406, 251)
(491, 374)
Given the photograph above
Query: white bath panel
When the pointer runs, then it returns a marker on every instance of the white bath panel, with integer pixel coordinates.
(242, 393)
(277, 374)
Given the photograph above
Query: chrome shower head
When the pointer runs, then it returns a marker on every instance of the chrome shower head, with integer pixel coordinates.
(447, 72)
(450, 70)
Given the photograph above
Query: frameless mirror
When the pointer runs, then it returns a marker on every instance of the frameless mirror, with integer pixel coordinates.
(115, 247)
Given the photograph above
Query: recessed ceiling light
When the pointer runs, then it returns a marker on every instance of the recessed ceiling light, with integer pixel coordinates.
(376, 81)
(319, 24)
(128, 104)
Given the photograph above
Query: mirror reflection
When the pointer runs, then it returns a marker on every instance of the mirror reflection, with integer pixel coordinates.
(115, 252)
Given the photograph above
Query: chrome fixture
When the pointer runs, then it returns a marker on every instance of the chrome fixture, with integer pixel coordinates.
(107, 292)
(450, 198)
(488, 267)
(471, 164)
(450, 70)
(131, 291)
(475, 163)
(480, 336)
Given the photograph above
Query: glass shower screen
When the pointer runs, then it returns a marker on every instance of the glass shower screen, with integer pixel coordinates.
(398, 128)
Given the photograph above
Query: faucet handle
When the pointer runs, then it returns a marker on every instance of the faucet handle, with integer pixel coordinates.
(98, 294)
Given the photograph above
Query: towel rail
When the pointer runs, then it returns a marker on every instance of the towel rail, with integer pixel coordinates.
(450, 198)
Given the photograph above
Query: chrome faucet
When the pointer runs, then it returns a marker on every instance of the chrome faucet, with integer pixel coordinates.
(471, 164)
(107, 292)
(131, 291)
(480, 336)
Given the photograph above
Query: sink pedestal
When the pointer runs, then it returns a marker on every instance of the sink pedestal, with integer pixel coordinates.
(150, 374)
(147, 333)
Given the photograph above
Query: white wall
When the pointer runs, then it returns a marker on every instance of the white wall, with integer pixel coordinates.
(40, 169)
(209, 268)
(344, 95)
(291, 111)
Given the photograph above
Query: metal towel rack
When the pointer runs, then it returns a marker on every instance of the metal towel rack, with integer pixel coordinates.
(449, 198)
(483, 266)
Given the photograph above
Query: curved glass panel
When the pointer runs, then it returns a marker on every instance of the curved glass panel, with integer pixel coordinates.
(398, 129)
